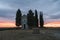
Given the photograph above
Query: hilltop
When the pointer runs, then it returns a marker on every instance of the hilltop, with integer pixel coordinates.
(18, 34)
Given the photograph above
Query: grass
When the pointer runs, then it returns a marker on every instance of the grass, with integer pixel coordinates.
(18, 34)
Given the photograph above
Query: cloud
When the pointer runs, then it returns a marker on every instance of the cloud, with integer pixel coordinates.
(55, 16)
(49, 7)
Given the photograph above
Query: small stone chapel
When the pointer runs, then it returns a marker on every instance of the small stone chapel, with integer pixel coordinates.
(24, 22)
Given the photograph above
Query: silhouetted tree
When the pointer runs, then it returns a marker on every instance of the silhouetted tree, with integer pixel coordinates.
(41, 20)
(36, 18)
(30, 19)
(18, 17)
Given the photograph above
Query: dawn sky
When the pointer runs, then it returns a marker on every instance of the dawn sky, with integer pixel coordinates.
(50, 8)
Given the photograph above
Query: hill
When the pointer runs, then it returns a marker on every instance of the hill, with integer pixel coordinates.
(18, 34)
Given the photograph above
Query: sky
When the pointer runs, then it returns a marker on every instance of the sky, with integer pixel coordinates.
(50, 9)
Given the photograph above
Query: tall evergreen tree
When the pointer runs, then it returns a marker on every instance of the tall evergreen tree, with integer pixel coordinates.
(30, 19)
(36, 18)
(18, 17)
(41, 20)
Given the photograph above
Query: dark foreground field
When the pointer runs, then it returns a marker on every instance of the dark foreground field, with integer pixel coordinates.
(18, 34)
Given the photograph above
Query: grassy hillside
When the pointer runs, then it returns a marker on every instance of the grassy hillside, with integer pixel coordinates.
(18, 34)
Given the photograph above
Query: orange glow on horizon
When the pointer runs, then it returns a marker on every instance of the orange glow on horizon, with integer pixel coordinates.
(11, 24)
(7, 24)
(52, 24)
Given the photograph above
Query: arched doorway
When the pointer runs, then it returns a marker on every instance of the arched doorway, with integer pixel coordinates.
(24, 26)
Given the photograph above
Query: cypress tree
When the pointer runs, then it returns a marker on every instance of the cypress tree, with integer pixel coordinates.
(30, 19)
(36, 18)
(18, 17)
(41, 20)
